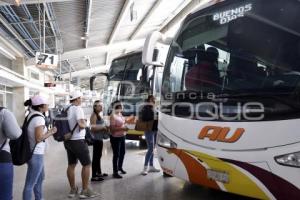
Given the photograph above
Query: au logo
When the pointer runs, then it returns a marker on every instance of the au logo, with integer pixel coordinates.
(220, 134)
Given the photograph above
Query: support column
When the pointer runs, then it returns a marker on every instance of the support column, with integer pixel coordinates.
(20, 94)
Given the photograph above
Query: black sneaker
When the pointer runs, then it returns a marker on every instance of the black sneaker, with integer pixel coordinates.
(122, 171)
(102, 175)
(117, 176)
(96, 178)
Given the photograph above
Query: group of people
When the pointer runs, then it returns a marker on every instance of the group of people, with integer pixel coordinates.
(76, 148)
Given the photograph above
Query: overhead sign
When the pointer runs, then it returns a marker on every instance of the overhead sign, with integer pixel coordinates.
(46, 61)
(49, 85)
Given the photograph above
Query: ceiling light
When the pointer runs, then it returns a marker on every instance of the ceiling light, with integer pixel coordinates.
(18, 2)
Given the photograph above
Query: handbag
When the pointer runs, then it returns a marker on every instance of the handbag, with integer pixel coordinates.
(89, 137)
(105, 135)
(144, 125)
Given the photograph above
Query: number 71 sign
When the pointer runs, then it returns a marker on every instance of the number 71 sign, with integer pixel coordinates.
(46, 61)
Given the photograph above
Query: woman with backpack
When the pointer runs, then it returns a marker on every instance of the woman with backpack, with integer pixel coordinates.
(148, 115)
(9, 129)
(37, 134)
(100, 132)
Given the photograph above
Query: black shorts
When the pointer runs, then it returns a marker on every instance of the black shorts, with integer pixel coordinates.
(77, 150)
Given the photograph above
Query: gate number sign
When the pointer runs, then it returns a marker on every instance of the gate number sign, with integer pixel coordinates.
(46, 61)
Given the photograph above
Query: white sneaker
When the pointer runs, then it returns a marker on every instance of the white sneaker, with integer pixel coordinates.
(87, 194)
(153, 169)
(73, 192)
(145, 171)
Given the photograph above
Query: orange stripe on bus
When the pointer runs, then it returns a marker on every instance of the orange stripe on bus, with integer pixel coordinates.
(196, 172)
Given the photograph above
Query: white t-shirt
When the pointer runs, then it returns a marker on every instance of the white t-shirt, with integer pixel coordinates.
(36, 122)
(75, 113)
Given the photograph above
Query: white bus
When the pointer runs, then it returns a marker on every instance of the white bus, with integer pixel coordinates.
(129, 81)
(230, 101)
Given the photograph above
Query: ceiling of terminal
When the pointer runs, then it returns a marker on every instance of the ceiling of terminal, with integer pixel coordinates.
(87, 34)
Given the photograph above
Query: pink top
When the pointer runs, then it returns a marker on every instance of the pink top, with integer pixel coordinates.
(117, 121)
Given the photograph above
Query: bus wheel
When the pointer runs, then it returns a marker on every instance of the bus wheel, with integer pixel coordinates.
(165, 175)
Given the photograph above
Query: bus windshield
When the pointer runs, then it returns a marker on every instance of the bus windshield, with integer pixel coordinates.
(240, 52)
(127, 82)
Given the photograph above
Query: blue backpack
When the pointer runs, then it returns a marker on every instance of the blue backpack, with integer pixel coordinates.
(61, 122)
(20, 149)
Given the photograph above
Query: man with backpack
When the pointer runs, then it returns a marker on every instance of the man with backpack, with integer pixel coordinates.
(9, 129)
(77, 149)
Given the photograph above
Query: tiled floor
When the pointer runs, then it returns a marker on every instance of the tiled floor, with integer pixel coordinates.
(132, 187)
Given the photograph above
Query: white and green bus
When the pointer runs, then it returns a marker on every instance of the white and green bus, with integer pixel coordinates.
(129, 81)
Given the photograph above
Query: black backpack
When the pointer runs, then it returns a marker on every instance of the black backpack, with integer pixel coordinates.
(61, 122)
(147, 113)
(20, 148)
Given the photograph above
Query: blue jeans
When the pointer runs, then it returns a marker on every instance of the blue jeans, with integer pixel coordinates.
(150, 139)
(34, 178)
(6, 181)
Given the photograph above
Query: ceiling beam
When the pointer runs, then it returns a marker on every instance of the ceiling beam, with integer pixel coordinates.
(122, 15)
(175, 13)
(12, 47)
(49, 18)
(16, 34)
(145, 19)
(190, 7)
(11, 2)
(54, 26)
(86, 72)
(88, 22)
(94, 51)
(6, 53)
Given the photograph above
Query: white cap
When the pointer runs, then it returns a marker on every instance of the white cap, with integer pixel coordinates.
(75, 95)
(38, 100)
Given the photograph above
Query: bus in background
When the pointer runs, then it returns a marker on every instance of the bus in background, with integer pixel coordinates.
(129, 81)
(230, 101)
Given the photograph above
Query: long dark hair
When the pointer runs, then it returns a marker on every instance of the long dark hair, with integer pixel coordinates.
(28, 103)
(94, 109)
(116, 105)
(150, 97)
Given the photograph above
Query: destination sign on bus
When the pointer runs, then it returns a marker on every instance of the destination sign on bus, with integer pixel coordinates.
(232, 14)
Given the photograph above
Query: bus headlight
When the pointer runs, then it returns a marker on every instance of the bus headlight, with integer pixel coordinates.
(163, 141)
(291, 159)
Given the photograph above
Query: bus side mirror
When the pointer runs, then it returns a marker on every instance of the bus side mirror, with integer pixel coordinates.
(150, 50)
(92, 79)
